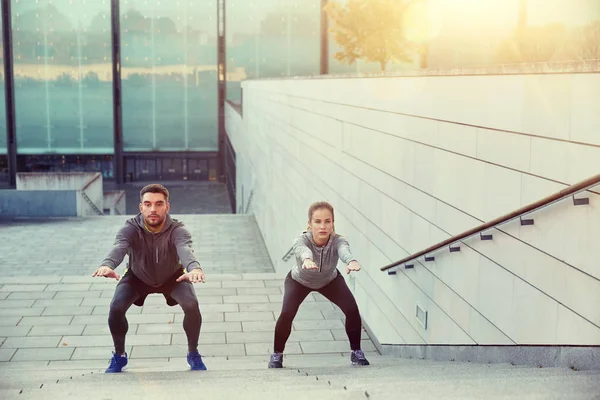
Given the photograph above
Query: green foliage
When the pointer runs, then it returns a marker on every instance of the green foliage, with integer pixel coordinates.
(370, 30)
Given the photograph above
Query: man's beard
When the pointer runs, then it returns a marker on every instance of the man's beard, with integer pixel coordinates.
(158, 221)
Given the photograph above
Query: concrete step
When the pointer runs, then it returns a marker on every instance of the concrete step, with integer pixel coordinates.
(312, 376)
(221, 384)
(285, 378)
(441, 371)
(219, 367)
(387, 378)
(582, 387)
(192, 390)
(294, 385)
(306, 377)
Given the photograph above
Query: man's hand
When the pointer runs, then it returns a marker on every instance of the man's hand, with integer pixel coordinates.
(309, 264)
(194, 276)
(353, 266)
(106, 272)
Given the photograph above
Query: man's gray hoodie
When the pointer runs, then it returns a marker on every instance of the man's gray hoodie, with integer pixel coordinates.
(153, 257)
(326, 258)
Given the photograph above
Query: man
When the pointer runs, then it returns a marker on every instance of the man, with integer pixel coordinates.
(161, 260)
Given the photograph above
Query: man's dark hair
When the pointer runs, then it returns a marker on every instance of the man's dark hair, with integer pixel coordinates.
(154, 188)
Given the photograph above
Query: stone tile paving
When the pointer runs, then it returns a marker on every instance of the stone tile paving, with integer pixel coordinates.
(53, 313)
(74, 247)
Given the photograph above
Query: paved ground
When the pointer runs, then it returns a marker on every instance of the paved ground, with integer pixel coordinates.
(225, 243)
(187, 197)
(54, 338)
(53, 314)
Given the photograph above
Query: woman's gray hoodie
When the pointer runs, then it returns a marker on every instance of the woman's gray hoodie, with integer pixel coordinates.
(326, 258)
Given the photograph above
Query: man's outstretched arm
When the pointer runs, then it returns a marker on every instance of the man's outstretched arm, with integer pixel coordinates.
(115, 257)
(183, 243)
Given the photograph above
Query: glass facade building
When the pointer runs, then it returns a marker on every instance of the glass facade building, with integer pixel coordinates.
(169, 75)
(135, 89)
(62, 85)
(271, 38)
(3, 145)
(66, 94)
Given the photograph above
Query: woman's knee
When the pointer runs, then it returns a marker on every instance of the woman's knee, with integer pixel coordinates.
(286, 317)
(351, 310)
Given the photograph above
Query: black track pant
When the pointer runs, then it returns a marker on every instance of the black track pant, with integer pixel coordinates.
(337, 292)
(128, 291)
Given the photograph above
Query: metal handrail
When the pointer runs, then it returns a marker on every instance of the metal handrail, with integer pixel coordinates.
(249, 201)
(236, 106)
(91, 203)
(558, 196)
(97, 176)
(288, 255)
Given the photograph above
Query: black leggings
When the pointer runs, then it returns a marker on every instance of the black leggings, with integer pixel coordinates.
(336, 291)
(126, 294)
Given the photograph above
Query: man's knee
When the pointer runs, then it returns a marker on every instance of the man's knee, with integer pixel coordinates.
(118, 308)
(190, 305)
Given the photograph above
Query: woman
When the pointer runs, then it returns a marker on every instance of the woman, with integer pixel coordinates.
(317, 253)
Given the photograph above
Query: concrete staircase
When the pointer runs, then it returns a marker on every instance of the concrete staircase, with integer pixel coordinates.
(307, 377)
(55, 343)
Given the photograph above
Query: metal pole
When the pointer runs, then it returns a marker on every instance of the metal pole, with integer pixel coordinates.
(221, 87)
(9, 93)
(117, 104)
(324, 70)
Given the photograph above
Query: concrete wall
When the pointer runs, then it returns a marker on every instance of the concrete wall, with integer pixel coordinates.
(53, 180)
(84, 183)
(408, 162)
(93, 189)
(35, 203)
(114, 202)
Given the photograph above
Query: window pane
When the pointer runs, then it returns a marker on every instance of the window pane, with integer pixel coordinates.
(169, 75)
(68, 163)
(63, 76)
(271, 38)
(3, 149)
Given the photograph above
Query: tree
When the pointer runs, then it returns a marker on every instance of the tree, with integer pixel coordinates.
(533, 44)
(371, 30)
(589, 42)
(134, 22)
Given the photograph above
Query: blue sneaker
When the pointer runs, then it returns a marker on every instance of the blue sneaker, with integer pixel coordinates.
(194, 359)
(117, 362)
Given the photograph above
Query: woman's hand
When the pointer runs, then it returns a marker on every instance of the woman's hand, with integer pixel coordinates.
(309, 264)
(353, 266)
